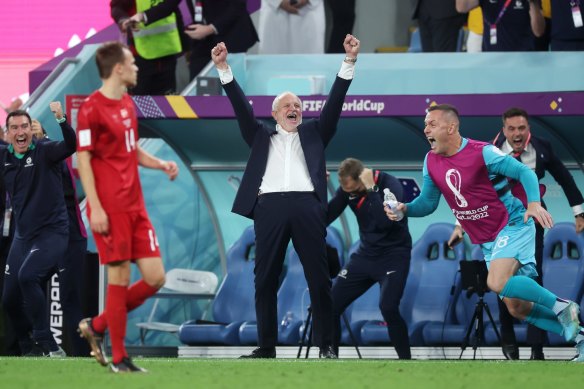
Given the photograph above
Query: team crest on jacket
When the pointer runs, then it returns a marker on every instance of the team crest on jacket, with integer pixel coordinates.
(29, 162)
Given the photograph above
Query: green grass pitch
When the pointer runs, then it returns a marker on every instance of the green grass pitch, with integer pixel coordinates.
(85, 373)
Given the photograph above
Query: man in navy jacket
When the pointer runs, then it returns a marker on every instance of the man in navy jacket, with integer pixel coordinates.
(283, 190)
(384, 252)
(32, 175)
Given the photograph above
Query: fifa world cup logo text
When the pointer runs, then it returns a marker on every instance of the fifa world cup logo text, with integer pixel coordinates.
(454, 181)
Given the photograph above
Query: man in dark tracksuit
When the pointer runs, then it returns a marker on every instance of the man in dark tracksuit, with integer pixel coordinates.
(32, 176)
(70, 267)
(383, 256)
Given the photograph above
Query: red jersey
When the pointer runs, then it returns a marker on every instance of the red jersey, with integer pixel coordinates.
(109, 130)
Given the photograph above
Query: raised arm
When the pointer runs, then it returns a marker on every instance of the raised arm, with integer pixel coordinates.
(248, 125)
(59, 150)
(331, 113)
(536, 18)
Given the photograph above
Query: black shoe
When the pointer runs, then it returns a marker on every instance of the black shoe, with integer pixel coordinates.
(511, 351)
(126, 366)
(327, 352)
(261, 352)
(537, 354)
(37, 351)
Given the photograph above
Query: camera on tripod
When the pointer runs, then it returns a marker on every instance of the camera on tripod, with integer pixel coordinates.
(473, 277)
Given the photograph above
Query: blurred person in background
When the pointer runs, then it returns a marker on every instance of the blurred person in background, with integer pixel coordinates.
(343, 19)
(439, 25)
(217, 21)
(154, 35)
(292, 27)
(508, 25)
(567, 32)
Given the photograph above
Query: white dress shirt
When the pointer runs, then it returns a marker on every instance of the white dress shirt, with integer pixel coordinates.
(528, 155)
(286, 169)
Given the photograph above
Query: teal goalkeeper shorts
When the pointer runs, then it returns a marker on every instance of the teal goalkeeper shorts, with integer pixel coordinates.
(516, 240)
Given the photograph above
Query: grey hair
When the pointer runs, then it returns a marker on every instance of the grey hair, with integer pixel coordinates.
(279, 97)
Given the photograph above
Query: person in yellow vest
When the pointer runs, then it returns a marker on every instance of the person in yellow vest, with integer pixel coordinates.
(154, 30)
(474, 41)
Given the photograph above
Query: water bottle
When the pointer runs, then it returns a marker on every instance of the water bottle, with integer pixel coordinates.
(288, 318)
(390, 200)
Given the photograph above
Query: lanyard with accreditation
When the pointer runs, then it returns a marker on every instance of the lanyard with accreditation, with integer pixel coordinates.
(576, 13)
(493, 27)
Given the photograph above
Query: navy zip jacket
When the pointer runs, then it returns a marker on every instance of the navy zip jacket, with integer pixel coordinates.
(379, 235)
(34, 185)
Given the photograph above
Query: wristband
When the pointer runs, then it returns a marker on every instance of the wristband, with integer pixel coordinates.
(350, 60)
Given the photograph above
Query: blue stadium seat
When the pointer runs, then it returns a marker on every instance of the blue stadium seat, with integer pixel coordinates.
(293, 299)
(427, 296)
(234, 302)
(563, 269)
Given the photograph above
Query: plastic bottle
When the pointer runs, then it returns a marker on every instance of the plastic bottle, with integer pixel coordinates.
(288, 318)
(390, 200)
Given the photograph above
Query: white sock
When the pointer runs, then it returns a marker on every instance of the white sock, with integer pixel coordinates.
(559, 305)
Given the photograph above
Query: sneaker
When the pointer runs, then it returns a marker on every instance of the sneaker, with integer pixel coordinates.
(568, 318)
(95, 340)
(59, 353)
(580, 348)
(126, 366)
(36, 351)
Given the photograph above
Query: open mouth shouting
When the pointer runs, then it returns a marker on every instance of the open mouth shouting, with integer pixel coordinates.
(432, 142)
(292, 117)
(21, 143)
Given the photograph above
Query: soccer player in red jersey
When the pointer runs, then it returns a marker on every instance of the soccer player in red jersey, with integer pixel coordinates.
(109, 155)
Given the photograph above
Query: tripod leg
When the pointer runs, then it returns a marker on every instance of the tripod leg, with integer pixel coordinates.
(304, 332)
(493, 323)
(480, 327)
(308, 341)
(352, 335)
(467, 336)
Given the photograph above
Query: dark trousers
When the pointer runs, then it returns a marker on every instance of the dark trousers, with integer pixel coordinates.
(535, 336)
(440, 35)
(279, 217)
(71, 271)
(343, 16)
(29, 266)
(9, 342)
(156, 77)
(361, 273)
(199, 56)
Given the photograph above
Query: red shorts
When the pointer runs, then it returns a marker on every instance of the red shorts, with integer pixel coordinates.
(131, 236)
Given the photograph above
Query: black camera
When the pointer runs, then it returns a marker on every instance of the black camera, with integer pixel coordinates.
(473, 277)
